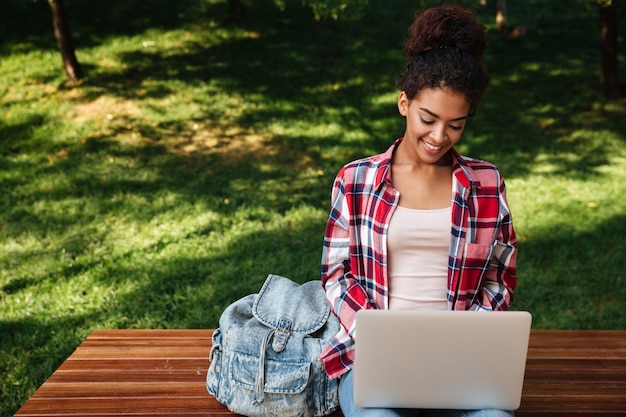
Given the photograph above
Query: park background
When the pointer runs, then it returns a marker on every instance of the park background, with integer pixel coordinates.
(197, 156)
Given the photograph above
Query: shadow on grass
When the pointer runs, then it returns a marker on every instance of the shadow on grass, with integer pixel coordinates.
(548, 285)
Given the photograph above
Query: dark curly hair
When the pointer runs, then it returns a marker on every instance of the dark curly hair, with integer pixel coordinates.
(446, 48)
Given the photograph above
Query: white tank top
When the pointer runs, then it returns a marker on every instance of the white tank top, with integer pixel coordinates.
(417, 245)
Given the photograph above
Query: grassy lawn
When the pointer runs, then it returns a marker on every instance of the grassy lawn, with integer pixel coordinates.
(197, 157)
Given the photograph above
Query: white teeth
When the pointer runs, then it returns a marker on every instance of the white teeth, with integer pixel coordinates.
(431, 147)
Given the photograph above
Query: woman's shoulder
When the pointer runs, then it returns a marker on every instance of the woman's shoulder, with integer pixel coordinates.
(476, 163)
(369, 166)
(368, 162)
(480, 171)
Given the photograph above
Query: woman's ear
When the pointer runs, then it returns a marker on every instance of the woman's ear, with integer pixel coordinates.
(403, 103)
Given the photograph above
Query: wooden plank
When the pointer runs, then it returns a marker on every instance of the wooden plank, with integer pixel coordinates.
(560, 336)
(571, 391)
(592, 370)
(136, 364)
(115, 375)
(111, 406)
(144, 342)
(163, 334)
(139, 352)
(591, 364)
(122, 390)
(567, 406)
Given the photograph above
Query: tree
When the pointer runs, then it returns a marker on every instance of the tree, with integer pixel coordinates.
(609, 68)
(501, 16)
(64, 41)
(501, 20)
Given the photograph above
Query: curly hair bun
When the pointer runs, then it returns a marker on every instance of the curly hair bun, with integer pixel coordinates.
(447, 26)
(445, 48)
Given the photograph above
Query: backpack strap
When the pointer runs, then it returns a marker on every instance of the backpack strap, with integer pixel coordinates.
(259, 395)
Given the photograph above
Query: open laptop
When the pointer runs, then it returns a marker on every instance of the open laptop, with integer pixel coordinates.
(440, 359)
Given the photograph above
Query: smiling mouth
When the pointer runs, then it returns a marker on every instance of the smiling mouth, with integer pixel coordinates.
(430, 146)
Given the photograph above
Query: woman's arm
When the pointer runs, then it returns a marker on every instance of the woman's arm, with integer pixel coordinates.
(343, 291)
(500, 280)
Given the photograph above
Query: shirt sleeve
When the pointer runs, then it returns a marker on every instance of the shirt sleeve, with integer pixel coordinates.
(496, 292)
(343, 291)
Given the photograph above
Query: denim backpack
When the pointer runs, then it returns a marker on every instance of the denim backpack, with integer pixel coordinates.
(264, 355)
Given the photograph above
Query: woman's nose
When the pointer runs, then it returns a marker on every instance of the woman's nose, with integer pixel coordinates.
(438, 133)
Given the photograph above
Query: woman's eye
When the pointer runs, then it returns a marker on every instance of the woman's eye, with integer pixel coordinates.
(431, 122)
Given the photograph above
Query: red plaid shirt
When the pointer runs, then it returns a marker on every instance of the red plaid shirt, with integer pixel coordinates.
(482, 256)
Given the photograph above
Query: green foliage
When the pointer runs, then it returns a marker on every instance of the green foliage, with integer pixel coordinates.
(332, 9)
(344, 9)
(198, 154)
(602, 3)
(594, 4)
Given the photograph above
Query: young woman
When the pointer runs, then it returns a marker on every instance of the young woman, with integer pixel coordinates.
(420, 226)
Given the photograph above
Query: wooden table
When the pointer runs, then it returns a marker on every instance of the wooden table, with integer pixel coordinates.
(162, 373)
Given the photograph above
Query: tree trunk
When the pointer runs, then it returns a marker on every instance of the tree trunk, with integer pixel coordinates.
(501, 16)
(609, 74)
(64, 41)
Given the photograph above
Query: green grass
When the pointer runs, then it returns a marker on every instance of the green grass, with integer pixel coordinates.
(197, 157)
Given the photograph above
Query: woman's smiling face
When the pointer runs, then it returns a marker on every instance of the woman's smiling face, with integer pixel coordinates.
(435, 120)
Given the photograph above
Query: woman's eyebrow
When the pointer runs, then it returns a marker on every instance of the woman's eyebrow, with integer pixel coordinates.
(437, 116)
